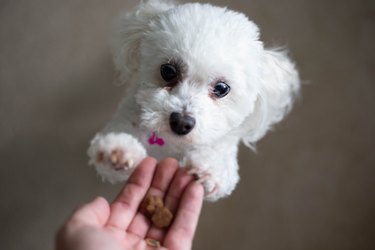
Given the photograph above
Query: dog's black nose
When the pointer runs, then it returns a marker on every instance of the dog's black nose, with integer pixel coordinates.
(181, 124)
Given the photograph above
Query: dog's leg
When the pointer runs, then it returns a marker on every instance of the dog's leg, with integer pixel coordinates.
(116, 150)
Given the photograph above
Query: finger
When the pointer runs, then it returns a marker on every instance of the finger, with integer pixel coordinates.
(180, 181)
(125, 206)
(91, 215)
(163, 176)
(182, 230)
(95, 213)
(176, 189)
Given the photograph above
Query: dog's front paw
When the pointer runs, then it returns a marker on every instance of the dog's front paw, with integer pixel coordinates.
(115, 155)
(218, 175)
(204, 177)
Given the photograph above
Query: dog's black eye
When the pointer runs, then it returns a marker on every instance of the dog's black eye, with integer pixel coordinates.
(221, 89)
(168, 72)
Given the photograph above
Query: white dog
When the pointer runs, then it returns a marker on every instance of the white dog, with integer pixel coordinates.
(200, 81)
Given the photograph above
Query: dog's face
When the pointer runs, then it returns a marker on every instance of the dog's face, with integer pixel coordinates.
(200, 73)
(195, 66)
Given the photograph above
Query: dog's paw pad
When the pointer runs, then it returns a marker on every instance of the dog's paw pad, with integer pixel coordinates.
(100, 157)
(116, 158)
(119, 160)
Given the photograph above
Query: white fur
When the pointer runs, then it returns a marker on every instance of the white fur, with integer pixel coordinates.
(106, 145)
(209, 43)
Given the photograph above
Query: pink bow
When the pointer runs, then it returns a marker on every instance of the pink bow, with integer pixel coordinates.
(155, 140)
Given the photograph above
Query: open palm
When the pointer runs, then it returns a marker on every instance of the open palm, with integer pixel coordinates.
(120, 225)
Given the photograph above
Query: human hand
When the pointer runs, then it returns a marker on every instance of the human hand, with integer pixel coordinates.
(120, 225)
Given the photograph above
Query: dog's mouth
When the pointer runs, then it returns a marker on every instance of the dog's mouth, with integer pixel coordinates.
(181, 124)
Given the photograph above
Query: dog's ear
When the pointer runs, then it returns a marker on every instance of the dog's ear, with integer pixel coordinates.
(279, 85)
(129, 29)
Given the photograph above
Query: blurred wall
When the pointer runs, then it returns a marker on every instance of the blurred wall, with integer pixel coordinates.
(310, 186)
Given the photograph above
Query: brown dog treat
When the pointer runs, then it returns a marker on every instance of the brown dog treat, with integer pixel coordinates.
(151, 204)
(162, 217)
(154, 209)
(153, 243)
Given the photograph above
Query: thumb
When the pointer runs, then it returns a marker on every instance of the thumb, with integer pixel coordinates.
(94, 213)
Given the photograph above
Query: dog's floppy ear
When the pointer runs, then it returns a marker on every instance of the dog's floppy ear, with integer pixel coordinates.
(128, 32)
(279, 85)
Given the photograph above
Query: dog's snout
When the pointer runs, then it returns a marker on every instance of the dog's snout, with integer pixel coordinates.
(181, 124)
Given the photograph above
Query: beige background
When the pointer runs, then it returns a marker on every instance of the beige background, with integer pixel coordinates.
(311, 185)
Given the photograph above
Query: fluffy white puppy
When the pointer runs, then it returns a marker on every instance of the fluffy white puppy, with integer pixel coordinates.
(200, 81)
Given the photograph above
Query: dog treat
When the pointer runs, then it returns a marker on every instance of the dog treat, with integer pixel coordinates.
(152, 203)
(153, 243)
(160, 216)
